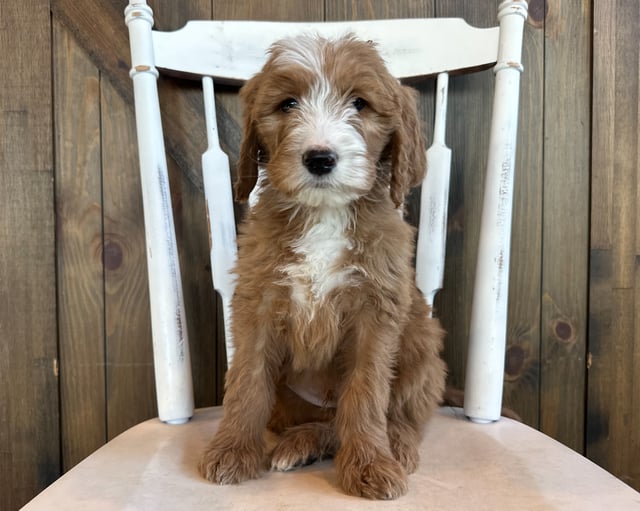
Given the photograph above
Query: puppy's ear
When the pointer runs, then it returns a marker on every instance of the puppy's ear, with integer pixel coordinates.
(408, 152)
(249, 147)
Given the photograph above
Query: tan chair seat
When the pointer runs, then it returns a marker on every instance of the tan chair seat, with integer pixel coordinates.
(464, 466)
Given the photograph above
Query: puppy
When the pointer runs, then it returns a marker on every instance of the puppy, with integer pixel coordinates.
(335, 348)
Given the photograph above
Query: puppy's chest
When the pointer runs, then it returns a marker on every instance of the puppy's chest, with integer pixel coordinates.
(321, 260)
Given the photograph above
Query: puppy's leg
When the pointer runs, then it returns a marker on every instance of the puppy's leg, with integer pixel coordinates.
(418, 386)
(364, 462)
(404, 440)
(236, 452)
(302, 445)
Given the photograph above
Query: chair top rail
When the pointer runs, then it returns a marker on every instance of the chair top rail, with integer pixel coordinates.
(233, 51)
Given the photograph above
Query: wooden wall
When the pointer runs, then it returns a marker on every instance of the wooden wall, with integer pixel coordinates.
(75, 346)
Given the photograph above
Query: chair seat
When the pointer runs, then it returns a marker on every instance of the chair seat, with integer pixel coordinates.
(505, 465)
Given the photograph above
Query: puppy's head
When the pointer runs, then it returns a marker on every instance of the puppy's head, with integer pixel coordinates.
(326, 120)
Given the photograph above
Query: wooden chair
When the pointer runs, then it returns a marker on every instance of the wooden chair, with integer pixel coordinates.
(464, 464)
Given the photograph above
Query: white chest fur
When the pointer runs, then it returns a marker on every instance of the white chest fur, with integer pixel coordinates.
(321, 249)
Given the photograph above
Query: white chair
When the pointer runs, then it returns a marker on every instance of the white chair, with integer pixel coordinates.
(464, 464)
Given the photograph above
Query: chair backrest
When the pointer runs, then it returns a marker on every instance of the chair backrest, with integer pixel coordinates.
(231, 52)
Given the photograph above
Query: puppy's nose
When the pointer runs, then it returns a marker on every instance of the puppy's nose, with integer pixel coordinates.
(319, 161)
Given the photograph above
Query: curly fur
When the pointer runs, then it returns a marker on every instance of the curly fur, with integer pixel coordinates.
(336, 352)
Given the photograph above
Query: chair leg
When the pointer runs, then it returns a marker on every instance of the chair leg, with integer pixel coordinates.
(487, 335)
(172, 363)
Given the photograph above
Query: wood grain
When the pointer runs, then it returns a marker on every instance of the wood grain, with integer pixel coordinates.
(613, 415)
(285, 10)
(342, 10)
(79, 249)
(29, 413)
(565, 220)
(130, 385)
(550, 282)
(113, 60)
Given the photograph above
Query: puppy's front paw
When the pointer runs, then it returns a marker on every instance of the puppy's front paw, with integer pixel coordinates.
(230, 464)
(406, 453)
(373, 475)
(287, 458)
(404, 446)
(304, 444)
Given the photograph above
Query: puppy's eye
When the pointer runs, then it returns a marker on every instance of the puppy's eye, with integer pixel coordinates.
(288, 104)
(359, 104)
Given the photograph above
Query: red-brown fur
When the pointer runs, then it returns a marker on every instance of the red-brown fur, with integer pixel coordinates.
(368, 342)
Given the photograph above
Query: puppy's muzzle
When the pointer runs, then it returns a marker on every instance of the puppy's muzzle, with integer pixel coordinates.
(320, 161)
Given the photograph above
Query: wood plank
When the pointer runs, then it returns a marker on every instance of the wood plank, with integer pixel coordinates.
(130, 385)
(29, 433)
(341, 10)
(613, 419)
(603, 134)
(79, 249)
(113, 61)
(565, 221)
(286, 10)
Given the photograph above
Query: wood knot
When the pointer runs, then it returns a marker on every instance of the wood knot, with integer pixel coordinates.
(113, 255)
(514, 364)
(538, 10)
(563, 331)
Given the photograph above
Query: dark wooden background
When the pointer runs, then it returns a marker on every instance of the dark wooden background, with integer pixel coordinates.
(75, 346)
